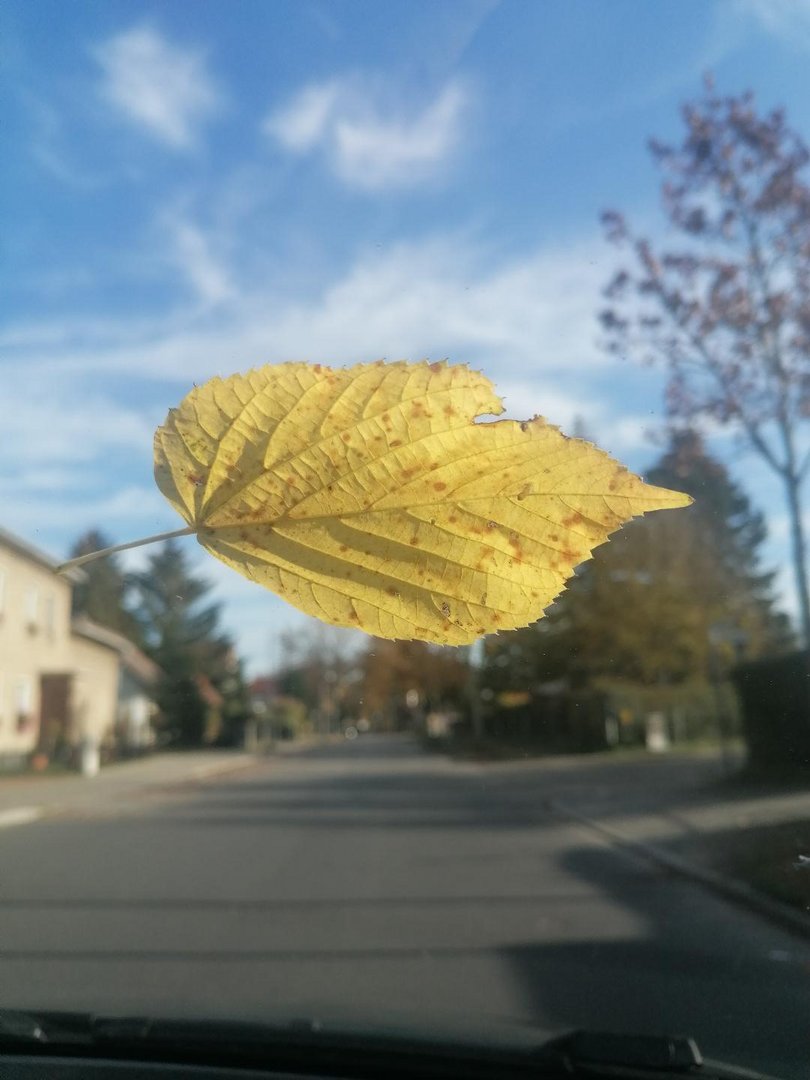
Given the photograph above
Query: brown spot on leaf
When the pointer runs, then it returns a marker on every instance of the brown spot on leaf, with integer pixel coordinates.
(480, 630)
(573, 519)
(445, 609)
(452, 519)
(449, 410)
(395, 443)
(524, 425)
(343, 548)
(414, 541)
(436, 366)
(492, 524)
(439, 486)
(615, 481)
(346, 437)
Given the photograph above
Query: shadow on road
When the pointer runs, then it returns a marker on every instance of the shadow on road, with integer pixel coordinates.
(748, 1006)
(363, 802)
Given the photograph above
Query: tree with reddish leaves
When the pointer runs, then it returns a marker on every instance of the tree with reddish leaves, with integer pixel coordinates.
(728, 313)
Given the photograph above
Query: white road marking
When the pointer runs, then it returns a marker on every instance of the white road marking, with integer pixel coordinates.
(20, 815)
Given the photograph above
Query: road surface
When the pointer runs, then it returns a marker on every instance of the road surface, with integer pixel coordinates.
(373, 876)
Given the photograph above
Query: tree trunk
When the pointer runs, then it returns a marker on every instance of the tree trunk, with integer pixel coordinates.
(799, 546)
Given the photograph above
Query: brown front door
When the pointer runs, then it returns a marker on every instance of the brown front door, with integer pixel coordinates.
(54, 716)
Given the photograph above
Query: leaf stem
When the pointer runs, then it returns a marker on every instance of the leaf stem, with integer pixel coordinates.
(102, 552)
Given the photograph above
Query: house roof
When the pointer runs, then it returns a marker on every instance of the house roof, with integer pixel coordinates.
(208, 692)
(135, 662)
(86, 628)
(35, 555)
(264, 686)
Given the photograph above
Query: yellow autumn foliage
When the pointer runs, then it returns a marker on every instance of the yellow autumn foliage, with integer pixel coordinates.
(371, 498)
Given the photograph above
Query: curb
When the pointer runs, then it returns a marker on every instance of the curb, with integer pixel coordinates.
(26, 815)
(732, 889)
(206, 772)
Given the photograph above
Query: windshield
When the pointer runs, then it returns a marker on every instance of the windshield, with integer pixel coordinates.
(296, 768)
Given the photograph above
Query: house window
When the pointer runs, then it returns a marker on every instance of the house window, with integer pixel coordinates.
(32, 606)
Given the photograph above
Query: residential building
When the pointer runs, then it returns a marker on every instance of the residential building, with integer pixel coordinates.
(61, 681)
(138, 677)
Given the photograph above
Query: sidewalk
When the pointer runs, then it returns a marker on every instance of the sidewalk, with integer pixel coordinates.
(727, 835)
(28, 798)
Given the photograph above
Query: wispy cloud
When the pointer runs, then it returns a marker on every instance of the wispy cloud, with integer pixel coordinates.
(305, 121)
(523, 316)
(164, 89)
(570, 409)
(51, 427)
(368, 143)
(786, 20)
(191, 252)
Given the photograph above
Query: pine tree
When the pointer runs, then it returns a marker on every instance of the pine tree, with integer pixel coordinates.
(104, 594)
(181, 633)
(735, 532)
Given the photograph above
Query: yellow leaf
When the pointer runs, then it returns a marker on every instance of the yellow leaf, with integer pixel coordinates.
(371, 498)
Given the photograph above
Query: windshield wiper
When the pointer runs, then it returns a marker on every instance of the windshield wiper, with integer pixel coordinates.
(676, 1054)
(307, 1047)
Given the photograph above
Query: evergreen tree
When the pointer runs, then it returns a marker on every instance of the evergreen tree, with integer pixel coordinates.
(104, 594)
(735, 532)
(182, 635)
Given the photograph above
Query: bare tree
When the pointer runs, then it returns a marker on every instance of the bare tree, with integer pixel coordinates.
(728, 314)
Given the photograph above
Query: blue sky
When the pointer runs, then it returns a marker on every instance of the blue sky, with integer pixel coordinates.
(194, 189)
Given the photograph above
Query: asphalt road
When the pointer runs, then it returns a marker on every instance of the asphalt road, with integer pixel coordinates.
(370, 876)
